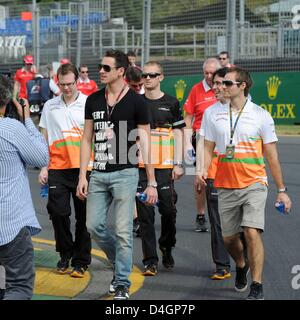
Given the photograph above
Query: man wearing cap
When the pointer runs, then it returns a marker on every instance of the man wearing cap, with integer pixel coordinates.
(22, 76)
(84, 84)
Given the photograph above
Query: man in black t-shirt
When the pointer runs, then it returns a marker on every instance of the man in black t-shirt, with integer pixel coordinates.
(114, 116)
(166, 147)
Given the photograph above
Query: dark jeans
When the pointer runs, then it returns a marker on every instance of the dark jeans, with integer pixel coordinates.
(18, 260)
(62, 184)
(219, 253)
(146, 215)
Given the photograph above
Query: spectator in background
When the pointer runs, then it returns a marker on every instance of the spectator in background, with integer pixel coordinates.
(22, 76)
(131, 58)
(224, 59)
(40, 90)
(64, 61)
(134, 79)
(199, 99)
(84, 84)
(20, 145)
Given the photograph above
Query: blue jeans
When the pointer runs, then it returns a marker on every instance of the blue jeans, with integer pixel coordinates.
(104, 187)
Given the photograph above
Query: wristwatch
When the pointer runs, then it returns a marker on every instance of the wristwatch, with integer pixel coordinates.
(152, 184)
(178, 164)
(282, 190)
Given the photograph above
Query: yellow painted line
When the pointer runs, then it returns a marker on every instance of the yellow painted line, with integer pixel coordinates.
(136, 278)
(50, 283)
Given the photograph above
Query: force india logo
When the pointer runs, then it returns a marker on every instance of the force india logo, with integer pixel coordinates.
(279, 110)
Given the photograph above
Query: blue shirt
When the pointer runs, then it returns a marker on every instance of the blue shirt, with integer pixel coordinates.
(19, 146)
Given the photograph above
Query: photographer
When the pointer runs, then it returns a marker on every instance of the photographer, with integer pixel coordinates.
(20, 145)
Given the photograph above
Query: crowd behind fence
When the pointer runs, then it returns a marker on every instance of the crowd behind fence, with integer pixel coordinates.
(187, 35)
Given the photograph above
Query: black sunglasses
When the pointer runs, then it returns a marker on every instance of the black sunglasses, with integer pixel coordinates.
(84, 71)
(150, 75)
(229, 83)
(105, 67)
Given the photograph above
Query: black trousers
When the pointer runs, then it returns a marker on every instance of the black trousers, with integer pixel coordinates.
(219, 252)
(62, 185)
(146, 215)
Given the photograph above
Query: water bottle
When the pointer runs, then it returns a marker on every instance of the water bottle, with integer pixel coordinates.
(281, 208)
(192, 154)
(143, 197)
(44, 190)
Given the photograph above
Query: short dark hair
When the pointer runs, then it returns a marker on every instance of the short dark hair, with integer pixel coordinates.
(242, 75)
(220, 72)
(131, 53)
(5, 91)
(225, 52)
(133, 73)
(66, 68)
(82, 66)
(120, 58)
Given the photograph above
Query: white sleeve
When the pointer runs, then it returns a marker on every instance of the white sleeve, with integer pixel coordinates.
(54, 87)
(206, 125)
(267, 129)
(43, 121)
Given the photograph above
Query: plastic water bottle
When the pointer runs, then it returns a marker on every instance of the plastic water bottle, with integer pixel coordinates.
(44, 190)
(281, 208)
(192, 154)
(143, 197)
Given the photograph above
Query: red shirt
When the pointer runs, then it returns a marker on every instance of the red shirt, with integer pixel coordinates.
(87, 88)
(23, 76)
(200, 98)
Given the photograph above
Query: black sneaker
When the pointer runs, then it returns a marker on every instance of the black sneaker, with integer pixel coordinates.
(241, 282)
(122, 293)
(78, 271)
(167, 259)
(112, 287)
(256, 291)
(150, 270)
(62, 265)
(201, 223)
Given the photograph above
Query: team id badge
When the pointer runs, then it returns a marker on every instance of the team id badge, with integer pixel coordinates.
(230, 151)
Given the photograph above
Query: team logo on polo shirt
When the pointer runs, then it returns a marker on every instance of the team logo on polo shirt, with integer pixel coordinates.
(180, 87)
(273, 85)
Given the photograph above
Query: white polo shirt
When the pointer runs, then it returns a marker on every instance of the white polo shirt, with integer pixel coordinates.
(255, 127)
(64, 125)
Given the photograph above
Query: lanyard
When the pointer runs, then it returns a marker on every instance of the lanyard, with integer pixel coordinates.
(232, 130)
(110, 109)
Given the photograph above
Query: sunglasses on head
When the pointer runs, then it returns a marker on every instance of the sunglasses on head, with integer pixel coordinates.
(229, 83)
(150, 75)
(105, 67)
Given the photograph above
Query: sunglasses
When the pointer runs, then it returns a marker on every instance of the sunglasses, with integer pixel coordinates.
(229, 83)
(105, 67)
(84, 71)
(223, 58)
(150, 75)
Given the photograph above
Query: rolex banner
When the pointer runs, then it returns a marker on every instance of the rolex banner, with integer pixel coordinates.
(277, 92)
